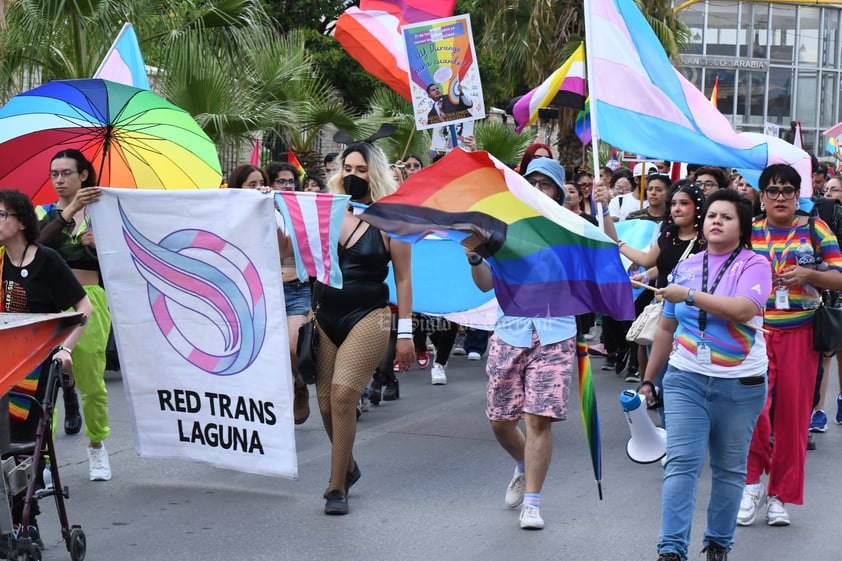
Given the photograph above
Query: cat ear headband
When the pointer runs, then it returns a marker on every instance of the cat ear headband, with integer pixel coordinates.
(342, 136)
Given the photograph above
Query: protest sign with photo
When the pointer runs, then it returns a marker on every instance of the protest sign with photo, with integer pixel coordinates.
(443, 72)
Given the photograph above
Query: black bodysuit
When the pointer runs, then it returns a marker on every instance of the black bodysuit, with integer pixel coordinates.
(364, 268)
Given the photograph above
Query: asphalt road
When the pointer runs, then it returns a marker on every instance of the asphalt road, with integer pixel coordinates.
(433, 480)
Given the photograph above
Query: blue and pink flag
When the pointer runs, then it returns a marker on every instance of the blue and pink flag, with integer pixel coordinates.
(644, 105)
(546, 261)
(313, 223)
(565, 86)
(123, 62)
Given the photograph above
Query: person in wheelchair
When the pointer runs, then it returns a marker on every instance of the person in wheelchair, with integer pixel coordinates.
(35, 279)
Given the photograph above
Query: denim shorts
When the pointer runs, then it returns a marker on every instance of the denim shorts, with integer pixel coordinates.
(297, 298)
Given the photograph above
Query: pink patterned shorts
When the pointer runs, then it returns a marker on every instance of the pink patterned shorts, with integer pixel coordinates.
(533, 379)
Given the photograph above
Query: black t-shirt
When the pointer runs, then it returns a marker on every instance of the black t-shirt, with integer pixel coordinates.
(672, 248)
(48, 285)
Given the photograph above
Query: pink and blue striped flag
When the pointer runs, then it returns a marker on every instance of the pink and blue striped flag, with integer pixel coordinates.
(565, 86)
(123, 62)
(313, 223)
(545, 260)
(644, 105)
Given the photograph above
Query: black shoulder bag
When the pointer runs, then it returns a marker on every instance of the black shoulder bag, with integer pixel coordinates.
(827, 321)
(308, 343)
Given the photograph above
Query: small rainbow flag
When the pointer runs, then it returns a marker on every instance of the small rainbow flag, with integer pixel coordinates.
(545, 260)
(590, 414)
(714, 94)
(583, 123)
(302, 173)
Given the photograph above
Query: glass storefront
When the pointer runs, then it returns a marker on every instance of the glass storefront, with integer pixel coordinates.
(776, 63)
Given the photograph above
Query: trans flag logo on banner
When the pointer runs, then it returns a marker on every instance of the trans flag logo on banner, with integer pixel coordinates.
(205, 294)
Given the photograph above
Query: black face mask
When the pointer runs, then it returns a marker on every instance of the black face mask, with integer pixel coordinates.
(355, 186)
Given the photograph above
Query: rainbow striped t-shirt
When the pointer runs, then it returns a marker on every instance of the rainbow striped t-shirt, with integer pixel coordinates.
(779, 246)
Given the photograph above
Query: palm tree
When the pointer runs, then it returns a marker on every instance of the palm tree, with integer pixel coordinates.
(223, 61)
(389, 107)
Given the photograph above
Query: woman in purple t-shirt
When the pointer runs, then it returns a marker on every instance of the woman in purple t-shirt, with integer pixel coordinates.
(715, 383)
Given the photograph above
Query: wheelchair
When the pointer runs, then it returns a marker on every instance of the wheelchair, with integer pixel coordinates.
(22, 467)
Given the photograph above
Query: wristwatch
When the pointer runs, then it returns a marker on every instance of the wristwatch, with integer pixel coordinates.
(474, 260)
(690, 296)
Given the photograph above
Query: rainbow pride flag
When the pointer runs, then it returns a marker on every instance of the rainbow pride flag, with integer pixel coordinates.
(546, 261)
(302, 173)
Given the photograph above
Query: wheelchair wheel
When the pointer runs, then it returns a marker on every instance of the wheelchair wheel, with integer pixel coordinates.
(78, 544)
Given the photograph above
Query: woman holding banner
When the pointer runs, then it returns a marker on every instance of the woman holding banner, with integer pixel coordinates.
(354, 322)
(65, 227)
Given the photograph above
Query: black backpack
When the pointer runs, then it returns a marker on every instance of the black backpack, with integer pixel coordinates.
(830, 211)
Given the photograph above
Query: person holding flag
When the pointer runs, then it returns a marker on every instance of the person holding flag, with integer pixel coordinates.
(530, 364)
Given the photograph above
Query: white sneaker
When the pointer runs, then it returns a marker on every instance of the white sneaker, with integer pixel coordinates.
(474, 356)
(437, 375)
(100, 469)
(530, 518)
(750, 504)
(515, 490)
(776, 514)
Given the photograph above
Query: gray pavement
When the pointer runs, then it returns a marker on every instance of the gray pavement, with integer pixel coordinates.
(432, 486)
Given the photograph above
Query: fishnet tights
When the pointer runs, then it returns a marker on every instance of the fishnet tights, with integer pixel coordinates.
(342, 374)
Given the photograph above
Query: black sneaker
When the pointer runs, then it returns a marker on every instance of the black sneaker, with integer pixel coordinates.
(621, 362)
(609, 364)
(671, 556)
(632, 375)
(715, 552)
(337, 503)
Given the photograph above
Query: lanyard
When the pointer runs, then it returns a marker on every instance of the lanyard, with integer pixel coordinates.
(778, 263)
(703, 315)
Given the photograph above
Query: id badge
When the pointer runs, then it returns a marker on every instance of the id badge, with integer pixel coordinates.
(782, 299)
(703, 353)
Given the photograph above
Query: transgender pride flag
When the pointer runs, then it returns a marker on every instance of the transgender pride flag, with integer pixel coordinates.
(123, 62)
(545, 260)
(641, 104)
(313, 223)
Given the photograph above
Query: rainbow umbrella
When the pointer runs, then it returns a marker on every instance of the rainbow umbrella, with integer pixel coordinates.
(590, 415)
(133, 137)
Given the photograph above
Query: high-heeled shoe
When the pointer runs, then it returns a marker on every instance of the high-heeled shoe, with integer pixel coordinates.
(392, 391)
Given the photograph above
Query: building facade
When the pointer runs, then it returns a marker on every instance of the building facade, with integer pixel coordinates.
(776, 63)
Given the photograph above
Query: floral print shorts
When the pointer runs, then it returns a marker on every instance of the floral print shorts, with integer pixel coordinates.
(533, 379)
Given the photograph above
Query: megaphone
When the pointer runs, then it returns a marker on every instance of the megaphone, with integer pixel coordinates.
(648, 443)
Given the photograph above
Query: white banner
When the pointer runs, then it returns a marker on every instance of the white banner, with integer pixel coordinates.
(194, 284)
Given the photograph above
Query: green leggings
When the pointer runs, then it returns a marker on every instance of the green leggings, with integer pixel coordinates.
(89, 367)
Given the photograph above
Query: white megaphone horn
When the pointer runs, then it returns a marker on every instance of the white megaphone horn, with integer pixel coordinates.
(648, 443)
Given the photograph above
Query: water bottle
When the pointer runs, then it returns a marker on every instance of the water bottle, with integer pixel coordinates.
(810, 299)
